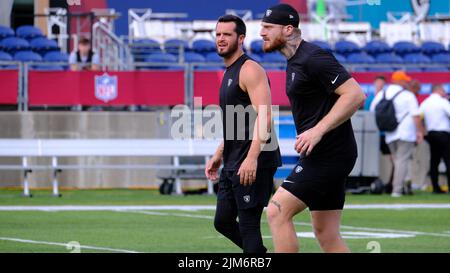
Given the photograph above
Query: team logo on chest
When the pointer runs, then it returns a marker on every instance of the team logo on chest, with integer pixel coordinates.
(292, 76)
(230, 81)
(246, 198)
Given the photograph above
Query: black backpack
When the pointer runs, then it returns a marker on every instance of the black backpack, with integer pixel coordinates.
(385, 114)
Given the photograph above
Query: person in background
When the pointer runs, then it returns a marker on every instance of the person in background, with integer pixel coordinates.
(409, 131)
(84, 58)
(435, 111)
(378, 84)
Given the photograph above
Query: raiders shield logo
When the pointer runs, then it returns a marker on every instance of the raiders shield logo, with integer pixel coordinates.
(246, 198)
(298, 169)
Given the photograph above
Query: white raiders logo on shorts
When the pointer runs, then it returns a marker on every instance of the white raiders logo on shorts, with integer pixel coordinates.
(246, 198)
(298, 169)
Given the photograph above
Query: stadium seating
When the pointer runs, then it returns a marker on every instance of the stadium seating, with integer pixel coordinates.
(360, 58)
(6, 32)
(388, 58)
(430, 48)
(402, 48)
(416, 58)
(346, 47)
(203, 46)
(27, 56)
(376, 47)
(256, 46)
(255, 57)
(212, 57)
(441, 58)
(28, 32)
(43, 45)
(165, 58)
(14, 44)
(192, 57)
(340, 58)
(57, 57)
(173, 46)
(5, 56)
(324, 45)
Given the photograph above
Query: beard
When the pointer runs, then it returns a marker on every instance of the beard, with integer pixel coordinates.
(231, 50)
(277, 44)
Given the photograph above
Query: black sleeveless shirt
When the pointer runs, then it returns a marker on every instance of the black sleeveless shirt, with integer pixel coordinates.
(238, 117)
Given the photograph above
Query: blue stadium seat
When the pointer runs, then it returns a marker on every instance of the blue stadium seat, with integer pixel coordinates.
(413, 69)
(56, 56)
(192, 57)
(5, 56)
(203, 46)
(416, 58)
(27, 56)
(322, 44)
(359, 69)
(256, 46)
(255, 57)
(173, 46)
(376, 47)
(430, 48)
(340, 58)
(28, 32)
(165, 58)
(346, 47)
(43, 45)
(6, 32)
(143, 48)
(13, 44)
(441, 58)
(360, 58)
(212, 57)
(388, 58)
(402, 48)
(273, 57)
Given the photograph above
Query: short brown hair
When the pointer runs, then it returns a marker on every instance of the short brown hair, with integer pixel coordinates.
(84, 41)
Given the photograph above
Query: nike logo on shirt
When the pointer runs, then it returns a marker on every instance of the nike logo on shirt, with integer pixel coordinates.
(333, 81)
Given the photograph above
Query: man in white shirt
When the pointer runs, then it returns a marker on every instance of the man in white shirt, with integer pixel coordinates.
(435, 111)
(409, 131)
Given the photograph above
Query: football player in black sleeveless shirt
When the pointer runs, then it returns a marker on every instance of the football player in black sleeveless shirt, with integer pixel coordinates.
(249, 152)
(323, 97)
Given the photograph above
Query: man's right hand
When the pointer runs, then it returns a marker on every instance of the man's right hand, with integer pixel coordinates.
(212, 168)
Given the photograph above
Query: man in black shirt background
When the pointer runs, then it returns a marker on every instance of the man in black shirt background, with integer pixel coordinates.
(323, 97)
(248, 152)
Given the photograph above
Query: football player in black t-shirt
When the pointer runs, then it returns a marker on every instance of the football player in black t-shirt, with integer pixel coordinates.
(323, 97)
(250, 155)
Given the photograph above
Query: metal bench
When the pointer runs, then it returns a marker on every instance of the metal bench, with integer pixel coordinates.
(58, 148)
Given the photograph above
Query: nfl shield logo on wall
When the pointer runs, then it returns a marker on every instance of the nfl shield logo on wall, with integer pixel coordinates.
(106, 87)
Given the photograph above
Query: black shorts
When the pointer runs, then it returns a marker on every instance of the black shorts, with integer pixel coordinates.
(320, 183)
(257, 194)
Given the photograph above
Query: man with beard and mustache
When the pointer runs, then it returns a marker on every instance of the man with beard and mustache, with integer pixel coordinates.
(323, 97)
(249, 151)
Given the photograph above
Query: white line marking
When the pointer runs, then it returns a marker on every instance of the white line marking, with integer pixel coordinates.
(65, 245)
(365, 229)
(203, 207)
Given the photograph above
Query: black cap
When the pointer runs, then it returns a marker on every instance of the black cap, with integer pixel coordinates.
(282, 14)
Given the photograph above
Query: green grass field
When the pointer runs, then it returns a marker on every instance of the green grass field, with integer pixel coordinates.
(175, 230)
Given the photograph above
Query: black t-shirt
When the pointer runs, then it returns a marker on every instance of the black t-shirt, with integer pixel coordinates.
(312, 76)
(237, 141)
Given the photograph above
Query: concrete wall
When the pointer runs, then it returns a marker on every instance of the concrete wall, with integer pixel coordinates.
(85, 125)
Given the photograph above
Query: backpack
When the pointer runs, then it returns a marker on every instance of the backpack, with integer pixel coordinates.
(385, 114)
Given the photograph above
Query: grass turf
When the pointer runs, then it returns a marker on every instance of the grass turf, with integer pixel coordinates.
(427, 230)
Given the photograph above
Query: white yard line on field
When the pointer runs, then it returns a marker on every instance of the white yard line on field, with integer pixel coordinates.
(209, 217)
(204, 207)
(69, 246)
